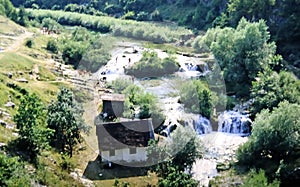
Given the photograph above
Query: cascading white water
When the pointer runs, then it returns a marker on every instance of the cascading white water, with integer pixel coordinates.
(234, 122)
(200, 124)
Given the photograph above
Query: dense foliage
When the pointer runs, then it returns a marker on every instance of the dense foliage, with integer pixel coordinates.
(274, 143)
(241, 53)
(143, 105)
(30, 120)
(65, 118)
(176, 157)
(270, 88)
(153, 66)
(12, 172)
(19, 16)
(259, 179)
(197, 98)
(280, 15)
(157, 33)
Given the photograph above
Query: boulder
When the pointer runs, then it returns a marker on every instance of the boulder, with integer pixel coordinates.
(23, 80)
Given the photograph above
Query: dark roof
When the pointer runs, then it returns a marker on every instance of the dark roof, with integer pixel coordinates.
(113, 97)
(130, 133)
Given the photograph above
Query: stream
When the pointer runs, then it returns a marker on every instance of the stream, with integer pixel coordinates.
(233, 126)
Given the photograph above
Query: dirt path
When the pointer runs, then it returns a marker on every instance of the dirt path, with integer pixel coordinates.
(18, 41)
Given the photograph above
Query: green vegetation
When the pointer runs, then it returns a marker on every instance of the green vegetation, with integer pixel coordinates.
(271, 88)
(13, 173)
(152, 66)
(259, 180)
(65, 118)
(274, 143)
(176, 156)
(144, 104)
(241, 53)
(138, 103)
(98, 54)
(52, 46)
(132, 29)
(29, 43)
(119, 85)
(30, 120)
(197, 98)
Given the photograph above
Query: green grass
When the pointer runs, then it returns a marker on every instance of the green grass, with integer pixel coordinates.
(6, 134)
(9, 27)
(133, 29)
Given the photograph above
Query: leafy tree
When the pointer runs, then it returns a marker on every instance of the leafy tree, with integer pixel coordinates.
(72, 52)
(65, 118)
(143, 102)
(7, 9)
(252, 10)
(177, 178)
(274, 141)
(30, 120)
(270, 88)
(196, 98)
(97, 55)
(176, 157)
(22, 18)
(241, 53)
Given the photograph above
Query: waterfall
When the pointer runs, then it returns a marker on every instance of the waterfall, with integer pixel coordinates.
(200, 124)
(234, 122)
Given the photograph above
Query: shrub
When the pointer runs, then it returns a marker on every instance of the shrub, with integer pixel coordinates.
(52, 46)
(29, 43)
(152, 66)
(197, 98)
(145, 103)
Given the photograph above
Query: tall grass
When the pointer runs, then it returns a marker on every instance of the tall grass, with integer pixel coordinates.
(148, 31)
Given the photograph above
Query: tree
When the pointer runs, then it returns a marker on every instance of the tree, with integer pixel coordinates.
(197, 98)
(173, 158)
(241, 53)
(270, 88)
(30, 120)
(65, 118)
(145, 103)
(253, 10)
(275, 140)
(22, 17)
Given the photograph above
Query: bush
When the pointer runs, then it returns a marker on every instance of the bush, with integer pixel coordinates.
(259, 179)
(52, 46)
(274, 142)
(197, 98)
(119, 85)
(29, 43)
(152, 66)
(145, 103)
(12, 172)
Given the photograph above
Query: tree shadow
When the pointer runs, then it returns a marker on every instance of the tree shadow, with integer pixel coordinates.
(97, 170)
